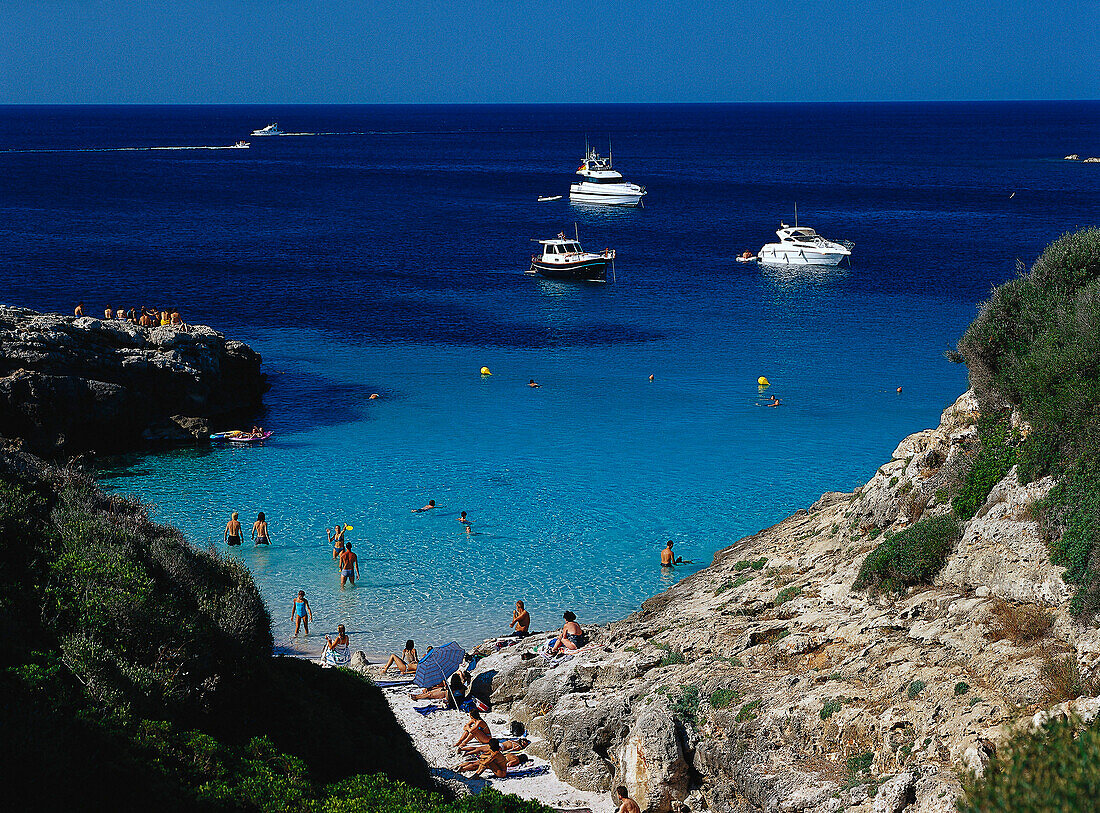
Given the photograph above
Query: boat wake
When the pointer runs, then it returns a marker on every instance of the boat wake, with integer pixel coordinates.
(117, 149)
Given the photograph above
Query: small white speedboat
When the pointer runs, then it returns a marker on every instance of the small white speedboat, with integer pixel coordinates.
(270, 130)
(241, 145)
(801, 245)
(548, 198)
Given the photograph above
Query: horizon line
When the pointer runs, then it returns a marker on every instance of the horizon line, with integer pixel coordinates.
(546, 104)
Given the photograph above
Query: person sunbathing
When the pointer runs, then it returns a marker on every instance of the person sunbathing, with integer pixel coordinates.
(436, 692)
(510, 761)
(341, 638)
(406, 662)
(517, 744)
(475, 729)
(572, 635)
(494, 761)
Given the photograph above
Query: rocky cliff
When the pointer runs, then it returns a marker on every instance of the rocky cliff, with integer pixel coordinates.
(766, 682)
(81, 384)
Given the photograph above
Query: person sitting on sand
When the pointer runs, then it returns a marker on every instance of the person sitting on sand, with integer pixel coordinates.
(349, 566)
(232, 534)
(341, 638)
(405, 662)
(301, 612)
(532, 384)
(572, 636)
(510, 761)
(626, 804)
(475, 729)
(515, 744)
(494, 761)
(79, 310)
(428, 507)
(521, 619)
(259, 530)
(336, 539)
(667, 559)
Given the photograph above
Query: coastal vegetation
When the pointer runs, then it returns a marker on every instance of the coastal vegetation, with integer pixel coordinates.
(140, 669)
(909, 557)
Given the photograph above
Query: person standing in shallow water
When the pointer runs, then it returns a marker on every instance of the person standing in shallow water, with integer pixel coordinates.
(349, 566)
(301, 612)
(259, 530)
(667, 559)
(233, 531)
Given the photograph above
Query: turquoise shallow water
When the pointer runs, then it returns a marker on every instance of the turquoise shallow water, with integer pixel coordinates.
(389, 259)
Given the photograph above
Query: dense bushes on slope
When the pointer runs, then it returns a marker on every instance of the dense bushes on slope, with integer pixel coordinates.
(912, 556)
(1035, 346)
(138, 670)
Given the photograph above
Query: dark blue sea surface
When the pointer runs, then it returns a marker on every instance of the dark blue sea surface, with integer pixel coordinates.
(383, 251)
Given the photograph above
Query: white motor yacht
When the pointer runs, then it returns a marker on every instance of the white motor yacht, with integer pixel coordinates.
(801, 245)
(271, 129)
(601, 183)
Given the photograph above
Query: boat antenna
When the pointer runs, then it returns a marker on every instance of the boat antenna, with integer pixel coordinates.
(610, 154)
(576, 232)
(796, 214)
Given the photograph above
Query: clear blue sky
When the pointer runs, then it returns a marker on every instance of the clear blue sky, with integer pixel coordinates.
(485, 51)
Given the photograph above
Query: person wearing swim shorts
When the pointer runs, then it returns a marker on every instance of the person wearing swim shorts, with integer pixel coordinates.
(301, 612)
(259, 530)
(572, 635)
(233, 531)
(349, 566)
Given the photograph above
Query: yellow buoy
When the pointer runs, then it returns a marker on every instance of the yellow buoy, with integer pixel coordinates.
(763, 382)
(485, 371)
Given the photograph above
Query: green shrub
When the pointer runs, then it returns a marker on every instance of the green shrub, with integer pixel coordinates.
(673, 656)
(686, 707)
(961, 688)
(830, 708)
(723, 698)
(759, 563)
(861, 763)
(994, 459)
(915, 688)
(748, 711)
(911, 556)
(1054, 768)
(787, 594)
(1036, 346)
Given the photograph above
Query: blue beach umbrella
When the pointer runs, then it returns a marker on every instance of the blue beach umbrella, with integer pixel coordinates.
(438, 665)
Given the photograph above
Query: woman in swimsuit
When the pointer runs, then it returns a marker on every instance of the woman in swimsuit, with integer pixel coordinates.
(301, 612)
(336, 539)
(406, 663)
(572, 636)
(259, 530)
(233, 531)
(517, 744)
(475, 729)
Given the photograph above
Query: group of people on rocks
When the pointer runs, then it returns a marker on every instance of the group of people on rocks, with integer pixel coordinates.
(143, 317)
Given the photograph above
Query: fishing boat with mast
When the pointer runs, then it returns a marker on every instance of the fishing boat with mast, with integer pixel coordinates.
(563, 258)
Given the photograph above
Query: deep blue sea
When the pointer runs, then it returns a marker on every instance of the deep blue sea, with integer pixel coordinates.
(385, 253)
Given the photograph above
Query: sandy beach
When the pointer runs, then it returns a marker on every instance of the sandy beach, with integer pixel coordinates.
(434, 734)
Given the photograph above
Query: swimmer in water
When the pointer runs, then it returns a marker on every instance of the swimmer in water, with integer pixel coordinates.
(532, 384)
(651, 376)
(428, 507)
(667, 558)
(463, 519)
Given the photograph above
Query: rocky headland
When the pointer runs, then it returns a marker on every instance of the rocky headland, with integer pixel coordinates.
(767, 682)
(70, 385)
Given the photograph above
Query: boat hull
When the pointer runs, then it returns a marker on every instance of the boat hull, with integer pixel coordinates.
(583, 193)
(594, 270)
(799, 256)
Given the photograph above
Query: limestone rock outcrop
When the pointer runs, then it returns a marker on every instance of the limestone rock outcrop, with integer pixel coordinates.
(70, 385)
(766, 683)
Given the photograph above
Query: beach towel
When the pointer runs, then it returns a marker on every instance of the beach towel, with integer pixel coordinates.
(389, 684)
(340, 656)
(426, 710)
(523, 773)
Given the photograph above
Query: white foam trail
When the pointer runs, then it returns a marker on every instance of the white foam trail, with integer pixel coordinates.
(117, 149)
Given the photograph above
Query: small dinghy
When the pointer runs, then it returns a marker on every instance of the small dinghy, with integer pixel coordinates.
(548, 198)
(226, 435)
(250, 438)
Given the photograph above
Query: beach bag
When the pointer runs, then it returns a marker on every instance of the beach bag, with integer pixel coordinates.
(516, 729)
(473, 703)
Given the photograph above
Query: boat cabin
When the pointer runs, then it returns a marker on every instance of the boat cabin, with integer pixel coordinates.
(560, 248)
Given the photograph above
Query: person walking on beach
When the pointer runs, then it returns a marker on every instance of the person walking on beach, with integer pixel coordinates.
(521, 619)
(259, 530)
(301, 612)
(626, 804)
(232, 531)
(349, 566)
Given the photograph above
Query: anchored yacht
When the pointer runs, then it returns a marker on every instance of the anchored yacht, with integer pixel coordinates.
(563, 258)
(271, 129)
(801, 245)
(601, 183)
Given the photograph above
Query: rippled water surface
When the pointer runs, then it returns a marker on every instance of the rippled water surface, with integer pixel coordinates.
(388, 255)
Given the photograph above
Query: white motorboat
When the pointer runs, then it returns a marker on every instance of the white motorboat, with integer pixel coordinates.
(241, 145)
(801, 245)
(270, 130)
(548, 198)
(601, 184)
(563, 258)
